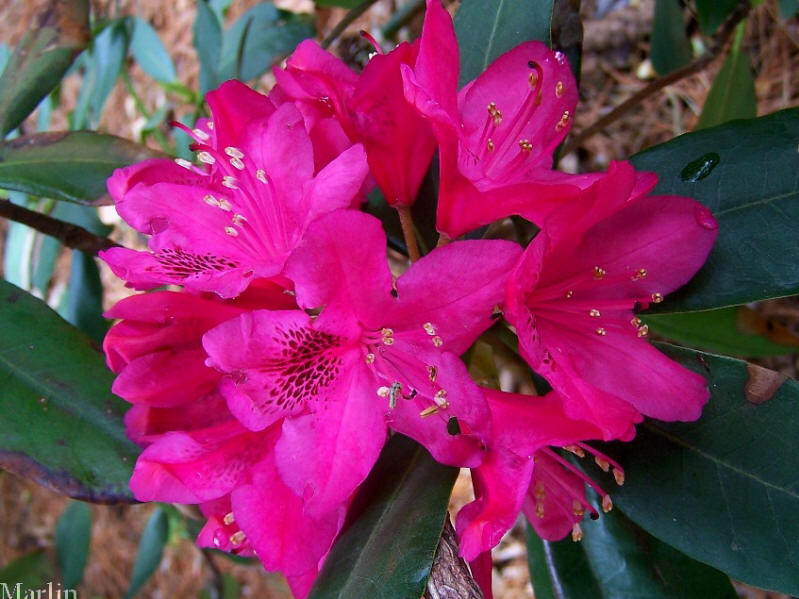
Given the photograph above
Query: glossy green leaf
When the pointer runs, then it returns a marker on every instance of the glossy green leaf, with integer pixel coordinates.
(342, 3)
(83, 302)
(723, 489)
(616, 558)
(712, 13)
(56, 393)
(733, 93)
(488, 28)
(670, 46)
(718, 331)
(270, 33)
(788, 8)
(148, 50)
(30, 572)
(108, 53)
(73, 533)
(207, 42)
(70, 166)
(746, 173)
(41, 59)
(387, 546)
(151, 549)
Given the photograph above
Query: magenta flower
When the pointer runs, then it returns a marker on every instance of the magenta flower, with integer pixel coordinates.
(572, 296)
(216, 227)
(371, 108)
(195, 451)
(497, 135)
(369, 361)
(521, 473)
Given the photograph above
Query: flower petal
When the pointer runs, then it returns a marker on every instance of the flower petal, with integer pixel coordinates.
(323, 456)
(454, 289)
(277, 364)
(328, 270)
(272, 517)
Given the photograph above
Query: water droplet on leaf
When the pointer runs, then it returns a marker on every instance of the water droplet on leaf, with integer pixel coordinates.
(700, 168)
(705, 218)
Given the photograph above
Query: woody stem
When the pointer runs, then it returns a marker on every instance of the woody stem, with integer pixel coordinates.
(406, 222)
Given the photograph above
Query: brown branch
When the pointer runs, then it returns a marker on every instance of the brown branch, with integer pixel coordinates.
(70, 235)
(348, 19)
(450, 577)
(720, 41)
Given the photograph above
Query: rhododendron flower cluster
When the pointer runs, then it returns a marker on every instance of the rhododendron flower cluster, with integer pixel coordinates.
(265, 387)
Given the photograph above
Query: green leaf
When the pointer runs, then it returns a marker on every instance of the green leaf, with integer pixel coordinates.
(387, 546)
(230, 589)
(670, 46)
(788, 8)
(151, 549)
(69, 166)
(745, 172)
(488, 28)
(729, 331)
(723, 489)
(73, 533)
(29, 572)
(207, 42)
(148, 50)
(107, 58)
(270, 33)
(733, 93)
(41, 59)
(56, 395)
(83, 303)
(342, 3)
(618, 559)
(712, 13)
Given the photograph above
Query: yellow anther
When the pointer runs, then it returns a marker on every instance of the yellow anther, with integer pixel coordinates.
(383, 392)
(602, 463)
(437, 341)
(229, 519)
(599, 273)
(619, 476)
(230, 182)
(205, 157)
(200, 134)
(260, 174)
(657, 297)
(525, 145)
(640, 274)
(234, 152)
(211, 200)
(370, 358)
(539, 510)
(237, 164)
(490, 145)
(569, 293)
(601, 332)
(559, 89)
(238, 219)
(429, 411)
(183, 162)
(237, 538)
(429, 328)
(532, 78)
(607, 504)
(576, 450)
(432, 373)
(577, 533)
(577, 508)
(643, 330)
(231, 231)
(594, 313)
(225, 205)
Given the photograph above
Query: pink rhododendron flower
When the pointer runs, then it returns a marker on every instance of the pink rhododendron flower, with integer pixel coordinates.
(369, 361)
(572, 295)
(518, 465)
(371, 108)
(238, 217)
(497, 135)
(195, 451)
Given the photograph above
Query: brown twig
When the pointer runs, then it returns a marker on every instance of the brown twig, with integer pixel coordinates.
(70, 235)
(720, 40)
(450, 577)
(408, 232)
(346, 22)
